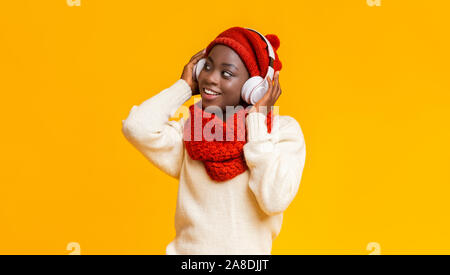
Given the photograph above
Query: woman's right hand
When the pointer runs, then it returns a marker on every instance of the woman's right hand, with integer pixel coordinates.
(188, 72)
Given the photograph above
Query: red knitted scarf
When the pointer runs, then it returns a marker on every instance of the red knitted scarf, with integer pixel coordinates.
(223, 159)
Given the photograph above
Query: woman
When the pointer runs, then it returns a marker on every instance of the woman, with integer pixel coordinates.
(232, 192)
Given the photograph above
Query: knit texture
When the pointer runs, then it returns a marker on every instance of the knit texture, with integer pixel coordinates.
(223, 159)
(250, 47)
(240, 216)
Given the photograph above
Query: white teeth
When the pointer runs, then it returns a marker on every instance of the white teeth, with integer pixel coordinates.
(209, 92)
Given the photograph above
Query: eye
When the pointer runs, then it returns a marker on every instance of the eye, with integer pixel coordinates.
(229, 74)
(206, 67)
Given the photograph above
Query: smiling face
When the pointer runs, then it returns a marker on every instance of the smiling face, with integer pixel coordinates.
(224, 74)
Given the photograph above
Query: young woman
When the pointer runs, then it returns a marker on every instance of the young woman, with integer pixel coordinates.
(232, 192)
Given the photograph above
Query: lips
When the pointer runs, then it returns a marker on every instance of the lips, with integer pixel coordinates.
(212, 90)
(209, 96)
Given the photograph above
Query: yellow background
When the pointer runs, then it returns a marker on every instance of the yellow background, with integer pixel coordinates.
(368, 85)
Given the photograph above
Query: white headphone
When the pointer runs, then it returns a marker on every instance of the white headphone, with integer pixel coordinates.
(255, 87)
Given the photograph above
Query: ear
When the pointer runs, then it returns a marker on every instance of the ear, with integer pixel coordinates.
(274, 41)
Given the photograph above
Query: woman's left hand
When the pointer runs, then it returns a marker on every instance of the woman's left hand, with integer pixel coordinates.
(265, 104)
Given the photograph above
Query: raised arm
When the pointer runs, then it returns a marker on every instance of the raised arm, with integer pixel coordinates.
(148, 128)
(275, 161)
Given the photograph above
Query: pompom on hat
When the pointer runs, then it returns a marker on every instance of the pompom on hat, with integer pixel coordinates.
(250, 47)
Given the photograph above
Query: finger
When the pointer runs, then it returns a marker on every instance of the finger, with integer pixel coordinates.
(269, 80)
(195, 61)
(279, 84)
(199, 54)
(279, 91)
(275, 85)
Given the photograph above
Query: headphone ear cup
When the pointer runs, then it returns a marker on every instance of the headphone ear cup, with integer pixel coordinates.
(198, 67)
(254, 89)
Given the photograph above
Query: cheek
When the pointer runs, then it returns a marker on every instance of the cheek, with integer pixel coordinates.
(200, 77)
(233, 89)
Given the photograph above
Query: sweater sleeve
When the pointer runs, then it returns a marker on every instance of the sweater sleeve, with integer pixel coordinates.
(148, 128)
(275, 161)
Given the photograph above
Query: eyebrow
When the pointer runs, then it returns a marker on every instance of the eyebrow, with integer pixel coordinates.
(224, 64)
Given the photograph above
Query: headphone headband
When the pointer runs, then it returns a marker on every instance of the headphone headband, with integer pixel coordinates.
(270, 70)
(269, 48)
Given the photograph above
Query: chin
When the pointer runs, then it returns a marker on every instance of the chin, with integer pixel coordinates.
(206, 104)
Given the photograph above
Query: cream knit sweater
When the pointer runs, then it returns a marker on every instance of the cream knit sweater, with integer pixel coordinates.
(240, 216)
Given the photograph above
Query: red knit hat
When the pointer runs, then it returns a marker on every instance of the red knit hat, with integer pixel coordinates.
(251, 48)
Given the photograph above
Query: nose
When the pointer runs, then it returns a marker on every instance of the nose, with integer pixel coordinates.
(211, 78)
